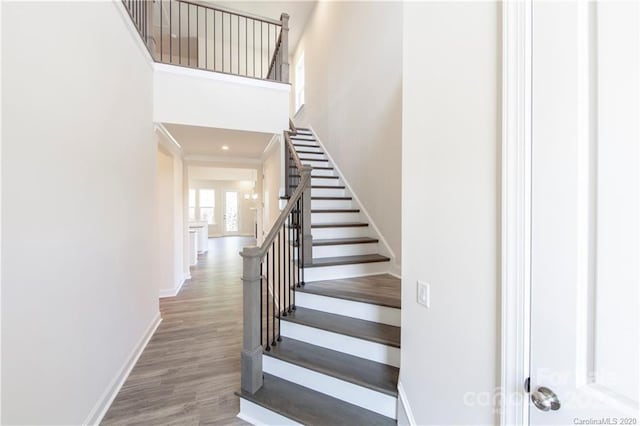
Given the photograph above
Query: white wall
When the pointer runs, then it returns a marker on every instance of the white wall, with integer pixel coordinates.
(78, 195)
(450, 213)
(203, 98)
(353, 100)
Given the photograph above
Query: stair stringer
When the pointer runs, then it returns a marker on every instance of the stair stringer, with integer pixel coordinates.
(385, 249)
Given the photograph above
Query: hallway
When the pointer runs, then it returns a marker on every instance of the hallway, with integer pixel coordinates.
(190, 369)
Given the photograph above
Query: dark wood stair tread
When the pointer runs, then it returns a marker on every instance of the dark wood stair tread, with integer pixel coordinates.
(382, 290)
(335, 210)
(318, 177)
(310, 152)
(324, 160)
(331, 198)
(316, 167)
(346, 260)
(340, 225)
(367, 330)
(305, 145)
(322, 186)
(310, 407)
(340, 241)
(370, 374)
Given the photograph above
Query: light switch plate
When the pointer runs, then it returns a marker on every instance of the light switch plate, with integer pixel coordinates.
(424, 294)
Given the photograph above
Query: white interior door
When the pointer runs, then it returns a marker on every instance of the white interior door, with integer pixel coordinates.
(231, 213)
(585, 213)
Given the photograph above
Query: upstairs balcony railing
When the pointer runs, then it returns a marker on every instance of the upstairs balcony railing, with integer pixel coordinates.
(202, 36)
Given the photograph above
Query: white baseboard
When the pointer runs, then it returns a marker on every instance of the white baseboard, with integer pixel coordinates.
(404, 405)
(396, 270)
(174, 291)
(104, 402)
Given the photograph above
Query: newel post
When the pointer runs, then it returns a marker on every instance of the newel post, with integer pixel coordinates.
(251, 359)
(284, 49)
(307, 239)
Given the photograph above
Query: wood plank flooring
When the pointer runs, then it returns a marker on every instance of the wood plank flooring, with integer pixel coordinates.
(190, 369)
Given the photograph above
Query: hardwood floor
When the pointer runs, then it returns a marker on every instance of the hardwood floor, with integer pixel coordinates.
(190, 369)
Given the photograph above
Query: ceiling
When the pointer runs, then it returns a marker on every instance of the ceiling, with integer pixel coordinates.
(207, 141)
(299, 12)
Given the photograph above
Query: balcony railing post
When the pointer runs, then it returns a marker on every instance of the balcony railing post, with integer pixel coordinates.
(251, 359)
(307, 239)
(284, 49)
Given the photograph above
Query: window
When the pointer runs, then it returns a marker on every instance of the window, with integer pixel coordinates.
(300, 83)
(207, 204)
(192, 205)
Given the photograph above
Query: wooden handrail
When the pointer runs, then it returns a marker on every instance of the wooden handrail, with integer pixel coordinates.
(233, 12)
(292, 149)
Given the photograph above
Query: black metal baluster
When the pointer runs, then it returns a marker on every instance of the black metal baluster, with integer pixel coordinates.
(254, 48)
(170, 32)
(230, 45)
(197, 38)
(261, 290)
(214, 41)
(281, 280)
(267, 348)
(261, 52)
(206, 38)
(161, 56)
(287, 270)
(180, 31)
(238, 21)
(273, 292)
(246, 46)
(222, 44)
(188, 34)
(268, 46)
(302, 238)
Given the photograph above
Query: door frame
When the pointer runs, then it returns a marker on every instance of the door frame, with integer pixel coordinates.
(516, 198)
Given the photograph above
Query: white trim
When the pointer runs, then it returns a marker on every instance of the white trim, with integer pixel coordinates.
(275, 139)
(394, 264)
(169, 142)
(226, 78)
(404, 402)
(256, 414)
(516, 214)
(172, 292)
(102, 405)
(133, 31)
(352, 393)
(219, 159)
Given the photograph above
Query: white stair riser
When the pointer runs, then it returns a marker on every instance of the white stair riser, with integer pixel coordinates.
(347, 232)
(322, 172)
(315, 156)
(368, 399)
(314, 163)
(345, 250)
(345, 271)
(335, 217)
(327, 192)
(315, 148)
(258, 415)
(339, 342)
(330, 204)
(325, 182)
(349, 308)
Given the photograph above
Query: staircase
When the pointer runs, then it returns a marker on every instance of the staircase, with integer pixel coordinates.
(338, 355)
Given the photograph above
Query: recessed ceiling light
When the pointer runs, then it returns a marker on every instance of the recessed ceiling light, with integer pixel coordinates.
(225, 148)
